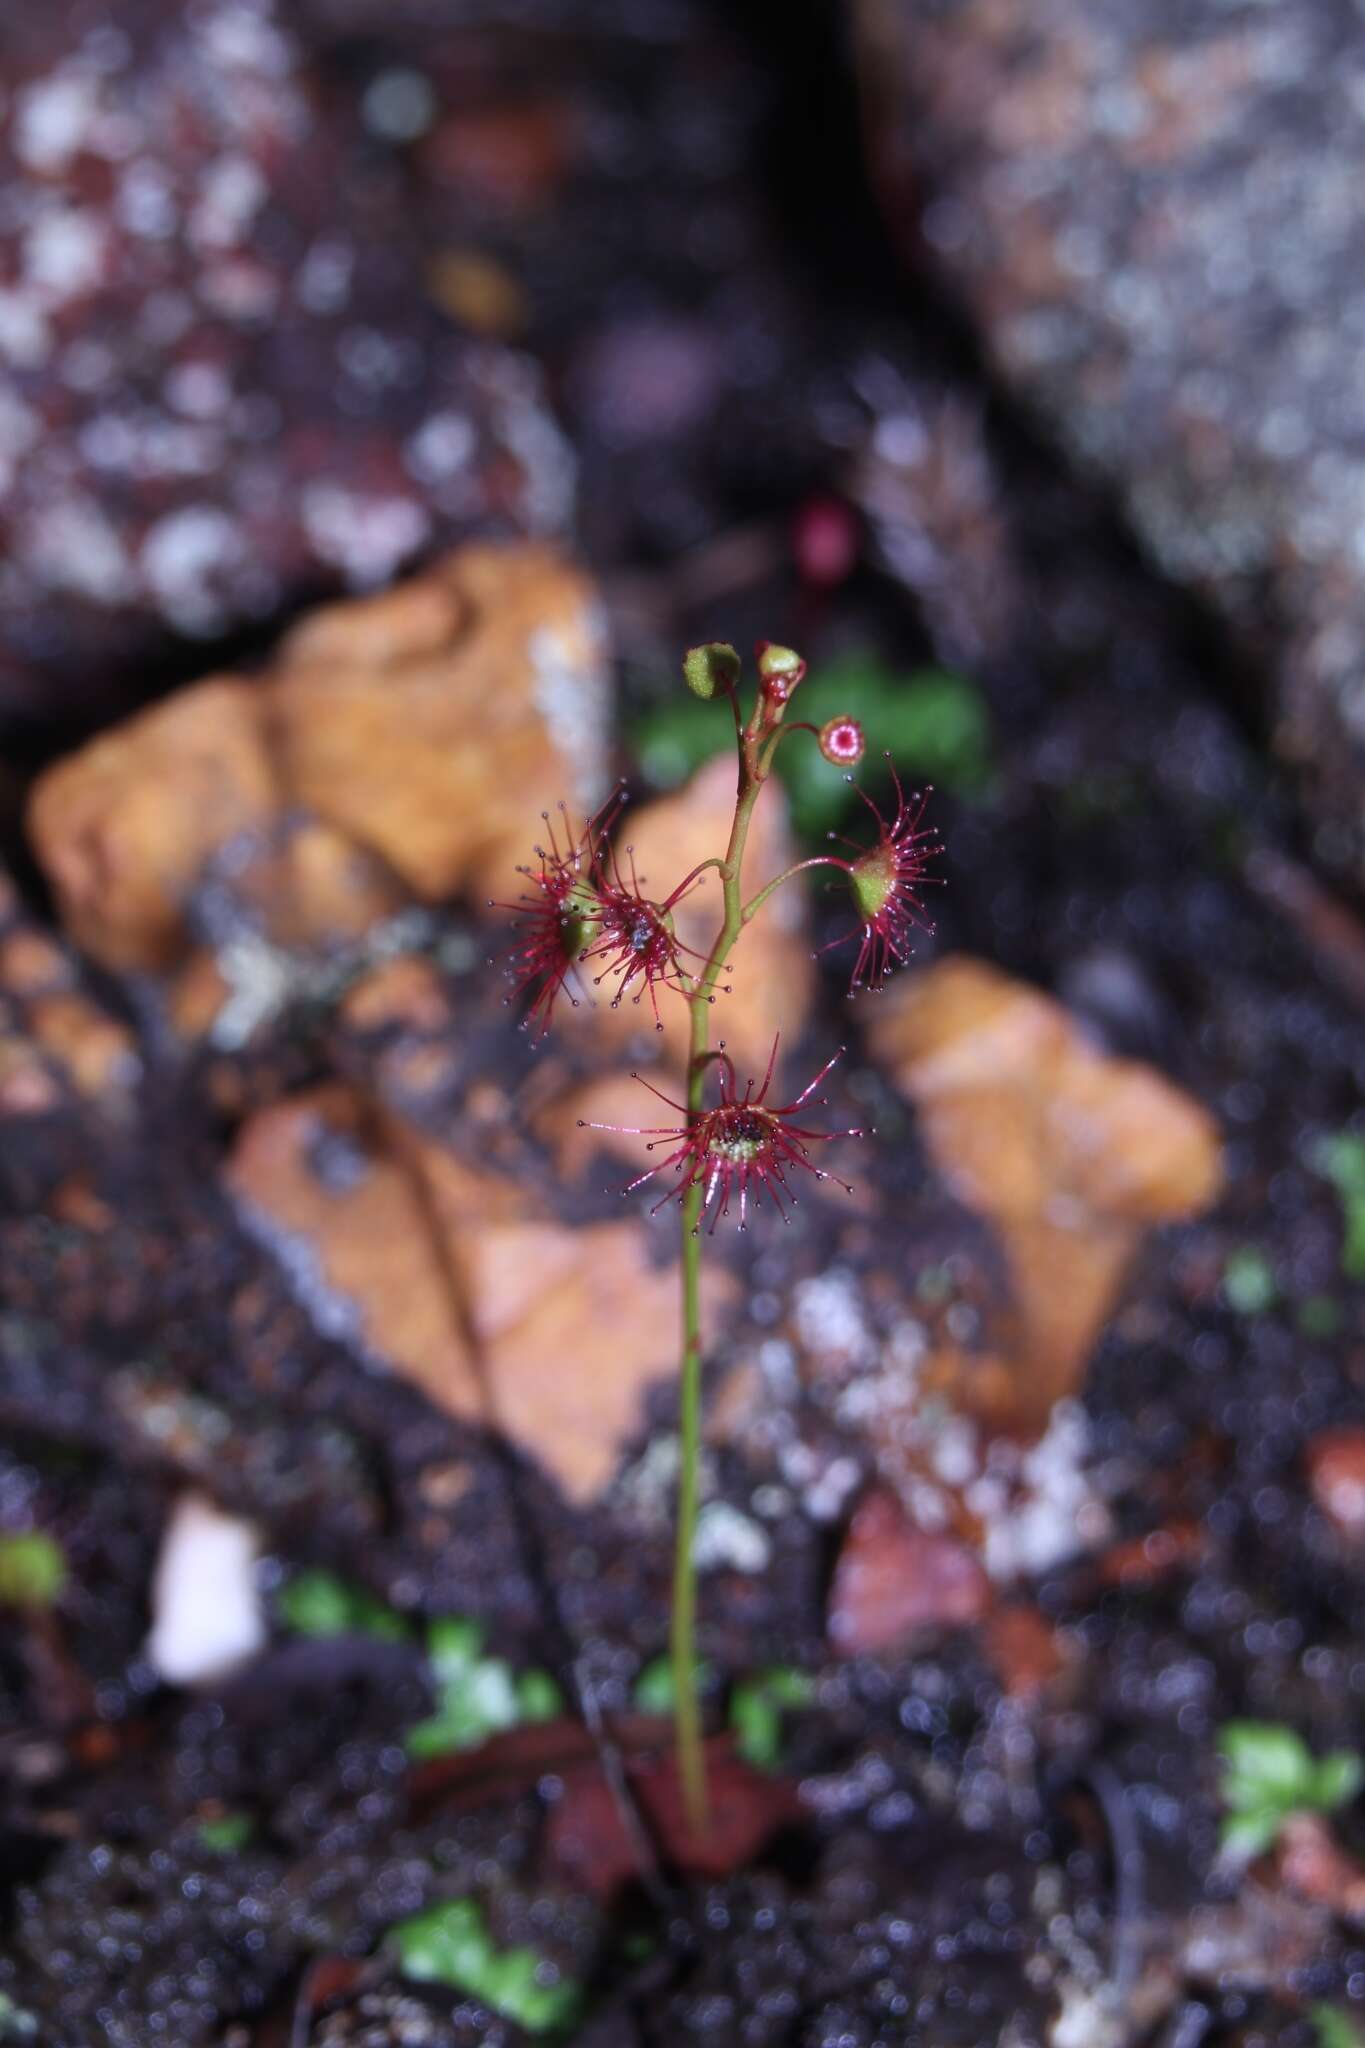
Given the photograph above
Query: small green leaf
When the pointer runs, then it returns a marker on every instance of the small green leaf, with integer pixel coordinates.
(318, 1603)
(1336, 1780)
(934, 724)
(453, 1645)
(1269, 1773)
(1341, 1159)
(1249, 1282)
(756, 1720)
(475, 1701)
(1335, 2029)
(227, 1832)
(450, 1944)
(538, 1697)
(1265, 1761)
(788, 1686)
(756, 1708)
(1250, 1834)
(1319, 1316)
(32, 1570)
(15, 2023)
(654, 1687)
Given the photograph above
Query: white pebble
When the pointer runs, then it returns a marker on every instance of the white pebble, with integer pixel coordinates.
(207, 1614)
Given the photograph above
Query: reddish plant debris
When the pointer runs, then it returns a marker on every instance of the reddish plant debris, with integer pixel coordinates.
(1026, 1650)
(1312, 1863)
(894, 1581)
(1146, 1560)
(589, 1840)
(1336, 1476)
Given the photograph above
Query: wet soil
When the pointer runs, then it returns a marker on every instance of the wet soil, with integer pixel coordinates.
(947, 1859)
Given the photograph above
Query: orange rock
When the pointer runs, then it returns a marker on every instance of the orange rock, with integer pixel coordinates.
(421, 616)
(28, 1086)
(773, 972)
(123, 826)
(459, 1195)
(1070, 1154)
(1336, 1476)
(31, 964)
(609, 1099)
(551, 1334)
(96, 1050)
(76, 1203)
(197, 995)
(894, 1580)
(308, 885)
(576, 1326)
(437, 725)
(309, 1167)
(404, 993)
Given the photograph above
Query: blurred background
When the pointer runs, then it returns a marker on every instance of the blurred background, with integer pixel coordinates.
(390, 390)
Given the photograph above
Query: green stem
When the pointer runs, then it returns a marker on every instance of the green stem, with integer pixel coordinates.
(817, 860)
(683, 1629)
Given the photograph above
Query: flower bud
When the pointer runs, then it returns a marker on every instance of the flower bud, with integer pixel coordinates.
(781, 669)
(841, 741)
(711, 670)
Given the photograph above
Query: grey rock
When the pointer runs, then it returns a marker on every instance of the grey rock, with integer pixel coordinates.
(1152, 211)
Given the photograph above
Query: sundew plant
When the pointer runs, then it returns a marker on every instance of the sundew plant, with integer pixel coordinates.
(585, 923)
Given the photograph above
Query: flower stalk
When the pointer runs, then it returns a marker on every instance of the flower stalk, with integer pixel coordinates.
(584, 910)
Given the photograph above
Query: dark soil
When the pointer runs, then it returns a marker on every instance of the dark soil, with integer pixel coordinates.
(948, 1866)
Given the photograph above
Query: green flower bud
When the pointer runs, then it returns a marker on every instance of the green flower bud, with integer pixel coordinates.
(711, 670)
(781, 669)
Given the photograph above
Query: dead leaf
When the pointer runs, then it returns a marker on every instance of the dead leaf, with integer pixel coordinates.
(894, 1580)
(307, 1168)
(588, 1840)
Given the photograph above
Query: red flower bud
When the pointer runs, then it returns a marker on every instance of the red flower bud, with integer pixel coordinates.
(841, 741)
(780, 668)
(825, 542)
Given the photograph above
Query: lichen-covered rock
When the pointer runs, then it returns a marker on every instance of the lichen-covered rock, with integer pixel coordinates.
(225, 384)
(1151, 212)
